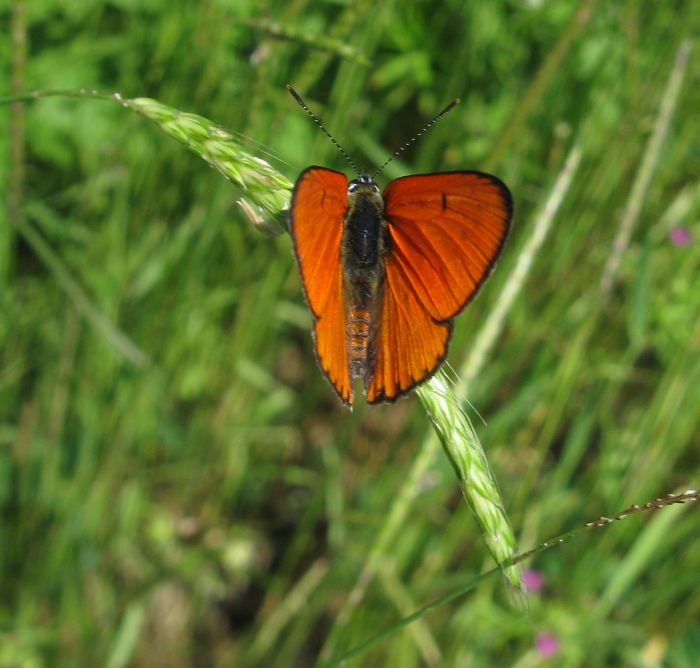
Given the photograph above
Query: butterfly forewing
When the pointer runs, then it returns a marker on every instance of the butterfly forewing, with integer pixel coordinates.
(316, 227)
(447, 230)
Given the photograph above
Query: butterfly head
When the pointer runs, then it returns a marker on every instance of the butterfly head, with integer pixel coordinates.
(364, 187)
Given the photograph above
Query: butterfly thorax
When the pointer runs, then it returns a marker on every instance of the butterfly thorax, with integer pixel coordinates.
(363, 248)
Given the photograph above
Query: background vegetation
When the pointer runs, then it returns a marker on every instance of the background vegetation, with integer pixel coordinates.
(179, 485)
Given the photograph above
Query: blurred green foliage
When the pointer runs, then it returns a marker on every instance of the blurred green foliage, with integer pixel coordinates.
(179, 485)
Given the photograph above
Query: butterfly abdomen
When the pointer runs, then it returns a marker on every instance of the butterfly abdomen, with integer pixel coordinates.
(359, 338)
(362, 299)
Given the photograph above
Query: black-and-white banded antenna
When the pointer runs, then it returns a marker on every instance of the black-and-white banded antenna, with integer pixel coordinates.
(421, 132)
(302, 104)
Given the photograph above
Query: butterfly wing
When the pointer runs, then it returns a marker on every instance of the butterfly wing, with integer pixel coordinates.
(316, 228)
(446, 232)
(409, 344)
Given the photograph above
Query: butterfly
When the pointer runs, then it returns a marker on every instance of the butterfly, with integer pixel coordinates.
(385, 273)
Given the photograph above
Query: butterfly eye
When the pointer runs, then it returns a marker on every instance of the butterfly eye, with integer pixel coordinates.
(375, 187)
(352, 187)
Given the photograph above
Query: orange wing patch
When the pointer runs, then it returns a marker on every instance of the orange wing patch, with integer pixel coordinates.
(330, 339)
(316, 228)
(409, 346)
(446, 232)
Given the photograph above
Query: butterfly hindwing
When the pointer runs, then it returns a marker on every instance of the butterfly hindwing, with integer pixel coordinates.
(316, 227)
(409, 344)
(445, 232)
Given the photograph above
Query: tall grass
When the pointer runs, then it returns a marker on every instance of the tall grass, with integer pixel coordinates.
(178, 485)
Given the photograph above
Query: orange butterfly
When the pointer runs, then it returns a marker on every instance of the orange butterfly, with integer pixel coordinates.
(385, 273)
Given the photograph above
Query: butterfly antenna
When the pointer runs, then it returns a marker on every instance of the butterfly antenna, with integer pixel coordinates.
(427, 127)
(302, 104)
